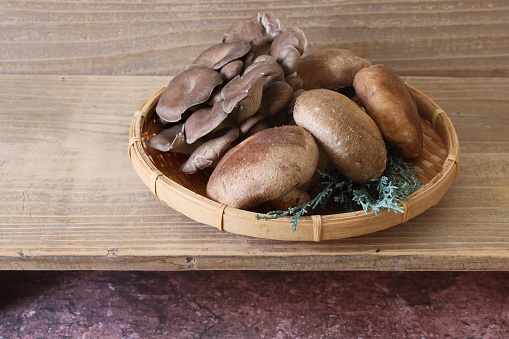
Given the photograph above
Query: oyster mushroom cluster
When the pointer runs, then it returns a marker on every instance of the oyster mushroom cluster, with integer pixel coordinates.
(233, 89)
(267, 117)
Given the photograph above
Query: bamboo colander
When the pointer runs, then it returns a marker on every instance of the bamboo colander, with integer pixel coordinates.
(438, 161)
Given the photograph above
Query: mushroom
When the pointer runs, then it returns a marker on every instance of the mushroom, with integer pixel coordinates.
(259, 47)
(232, 69)
(264, 167)
(295, 37)
(313, 186)
(295, 82)
(245, 92)
(389, 102)
(289, 58)
(293, 198)
(260, 126)
(296, 93)
(172, 139)
(248, 29)
(249, 123)
(264, 58)
(330, 68)
(203, 121)
(214, 96)
(275, 99)
(220, 54)
(272, 25)
(209, 151)
(287, 49)
(279, 76)
(191, 87)
(347, 134)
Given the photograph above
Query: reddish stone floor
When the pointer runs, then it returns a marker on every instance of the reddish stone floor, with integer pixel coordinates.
(254, 304)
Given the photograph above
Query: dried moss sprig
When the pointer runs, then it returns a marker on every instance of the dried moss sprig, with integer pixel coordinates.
(396, 183)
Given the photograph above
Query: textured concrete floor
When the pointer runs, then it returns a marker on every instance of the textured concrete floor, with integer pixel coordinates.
(254, 305)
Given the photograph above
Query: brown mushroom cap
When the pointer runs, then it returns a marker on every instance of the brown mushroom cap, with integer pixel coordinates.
(330, 68)
(293, 198)
(264, 167)
(220, 54)
(203, 121)
(389, 102)
(347, 134)
(191, 87)
(209, 151)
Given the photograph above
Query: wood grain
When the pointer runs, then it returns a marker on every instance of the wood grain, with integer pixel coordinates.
(437, 38)
(70, 199)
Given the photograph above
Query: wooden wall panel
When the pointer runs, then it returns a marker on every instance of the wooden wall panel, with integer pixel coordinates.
(440, 38)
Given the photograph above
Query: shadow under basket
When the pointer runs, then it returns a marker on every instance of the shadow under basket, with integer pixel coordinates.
(160, 171)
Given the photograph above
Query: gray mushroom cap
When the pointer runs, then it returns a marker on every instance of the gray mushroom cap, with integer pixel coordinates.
(220, 54)
(279, 75)
(289, 59)
(245, 91)
(272, 25)
(214, 96)
(232, 69)
(209, 151)
(276, 97)
(171, 139)
(295, 37)
(295, 82)
(249, 123)
(191, 87)
(259, 47)
(203, 121)
(248, 29)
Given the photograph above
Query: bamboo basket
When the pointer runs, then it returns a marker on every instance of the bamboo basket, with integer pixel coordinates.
(438, 161)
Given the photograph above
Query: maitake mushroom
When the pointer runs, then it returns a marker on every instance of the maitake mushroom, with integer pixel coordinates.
(209, 106)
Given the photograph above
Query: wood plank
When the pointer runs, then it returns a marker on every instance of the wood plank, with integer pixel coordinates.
(440, 38)
(70, 199)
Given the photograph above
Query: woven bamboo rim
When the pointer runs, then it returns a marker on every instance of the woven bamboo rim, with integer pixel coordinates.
(439, 162)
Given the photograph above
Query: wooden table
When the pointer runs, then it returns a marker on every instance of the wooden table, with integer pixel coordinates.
(70, 199)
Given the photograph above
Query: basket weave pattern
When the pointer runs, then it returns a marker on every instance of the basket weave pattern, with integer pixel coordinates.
(438, 161)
